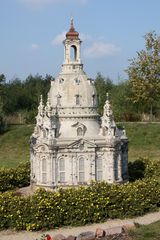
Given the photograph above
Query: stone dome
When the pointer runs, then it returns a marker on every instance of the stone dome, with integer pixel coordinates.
(73, 90)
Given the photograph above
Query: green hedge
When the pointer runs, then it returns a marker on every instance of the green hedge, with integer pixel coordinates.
(14, 177)
(78, 206)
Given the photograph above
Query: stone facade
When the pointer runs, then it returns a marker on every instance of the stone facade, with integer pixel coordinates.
(71, 145)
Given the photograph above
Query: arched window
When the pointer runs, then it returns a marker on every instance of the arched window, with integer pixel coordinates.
(62, 170)
(93, 100)
(61, 80)
(79, 131)
(44, 133)
(99, 171)
(77, 81)
(44, 170)
(73, 53)
(58, 100)
(81, 170)
(77, 99)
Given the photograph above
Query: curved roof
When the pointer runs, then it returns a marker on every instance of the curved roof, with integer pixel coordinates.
(72, 33)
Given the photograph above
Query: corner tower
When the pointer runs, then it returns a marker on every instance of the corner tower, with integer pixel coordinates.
(71, 145)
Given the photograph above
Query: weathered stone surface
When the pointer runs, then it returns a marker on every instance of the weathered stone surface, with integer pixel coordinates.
(59, 237)
(71, 237)
(114, 230)
(68, 131)
(128, 227)
(86, 236)
(100, 233)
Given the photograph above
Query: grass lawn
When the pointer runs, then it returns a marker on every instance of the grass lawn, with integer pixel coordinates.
(144, 140)
(14, 145)
(149, 232)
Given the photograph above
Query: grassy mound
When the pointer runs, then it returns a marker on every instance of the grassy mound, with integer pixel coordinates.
(14, 145)
(144, 139)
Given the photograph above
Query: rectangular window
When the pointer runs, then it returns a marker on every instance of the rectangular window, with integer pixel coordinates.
(61, 164)
(99, 172)
(81, 164)
(62, 170)
(62, 177)
(99, 175)
(99, 163)
(44, 166)
(44, 171)
(81, 170)
(44, 177)
(81, 176)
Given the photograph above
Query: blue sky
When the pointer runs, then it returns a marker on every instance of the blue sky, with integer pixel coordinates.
(112, 31)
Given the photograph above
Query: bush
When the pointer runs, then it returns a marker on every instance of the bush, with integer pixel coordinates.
(136, 169)
(14, 177)
(78, 206)
(152, 168)
(143, 168)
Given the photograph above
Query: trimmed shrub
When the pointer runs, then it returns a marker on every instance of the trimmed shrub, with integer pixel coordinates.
(14, 177)
(78, 206)
(152, 168)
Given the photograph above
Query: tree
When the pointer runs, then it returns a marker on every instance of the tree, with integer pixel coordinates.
(123, 108)
(2, 78)
(24, 95)
(144, 73)
(2, 122)
(103, 85)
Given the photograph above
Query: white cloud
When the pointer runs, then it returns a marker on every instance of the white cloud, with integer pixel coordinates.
(101, 49)
(59, 38)
(34, 46)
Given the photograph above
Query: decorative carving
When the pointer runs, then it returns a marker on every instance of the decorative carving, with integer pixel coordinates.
(42, 148)
(81, 129)
(108, 126)
(65, 146)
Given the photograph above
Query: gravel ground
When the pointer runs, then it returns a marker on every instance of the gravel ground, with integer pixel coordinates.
(24, 235)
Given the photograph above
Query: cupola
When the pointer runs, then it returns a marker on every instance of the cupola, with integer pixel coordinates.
(72, 49)
(72, 34)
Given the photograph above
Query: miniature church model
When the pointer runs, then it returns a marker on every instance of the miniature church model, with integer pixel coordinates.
(71, 145)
